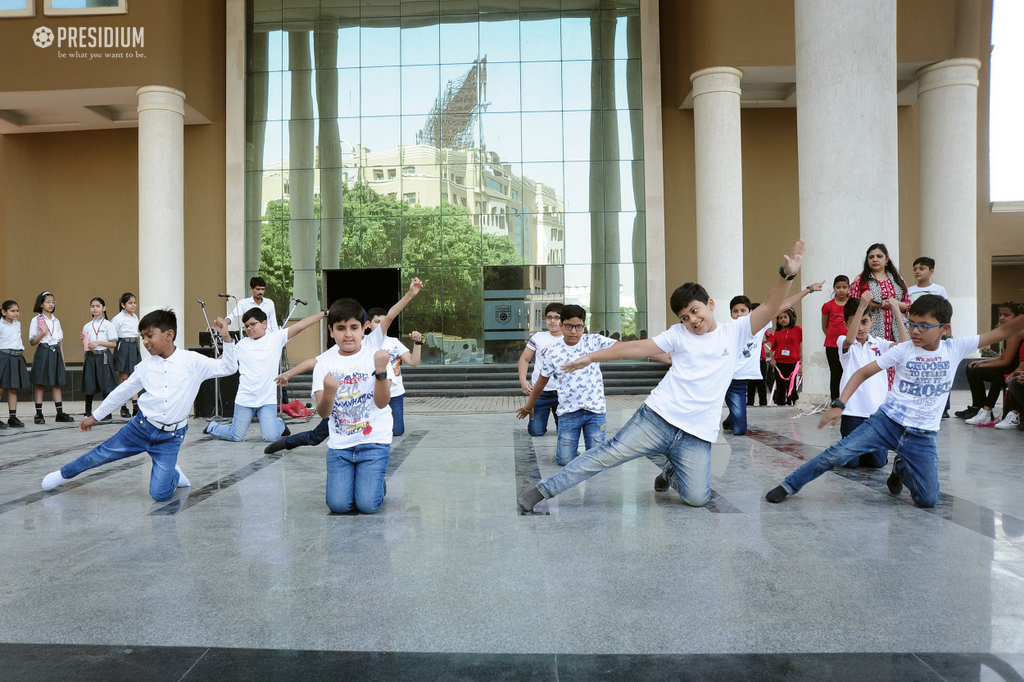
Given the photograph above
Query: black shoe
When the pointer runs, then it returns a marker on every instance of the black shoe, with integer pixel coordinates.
(287, 432)
(64, 417)
(125, 414)
(135, 410)
(529, 499)
(661, 483)
(276, 446)
(776, 494)
(968, 413)
(727, 425)
(40, 419)
(3, 425)
(15, 422)
(107, 418)
(894, 482)
(945, 415)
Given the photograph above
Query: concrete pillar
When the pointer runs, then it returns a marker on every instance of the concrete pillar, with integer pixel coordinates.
(719, 169)
(303, 228)
(947, 94)
(847, 146)
(162, 202)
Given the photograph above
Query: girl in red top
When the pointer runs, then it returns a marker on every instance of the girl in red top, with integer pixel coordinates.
(833, 325)
(786, 357)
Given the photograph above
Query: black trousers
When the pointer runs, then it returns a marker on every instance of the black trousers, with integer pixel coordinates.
(835, 370)
(759, 387)
(993, 374)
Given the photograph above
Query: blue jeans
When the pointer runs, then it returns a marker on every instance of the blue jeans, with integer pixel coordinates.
(645, 434)
(318, 434)
(136, 437)
(397, 404)
(736, 401)
(271, 426)
(538, 424)
(570, 424)
(877, 459)
(917, 461)
(355, 477)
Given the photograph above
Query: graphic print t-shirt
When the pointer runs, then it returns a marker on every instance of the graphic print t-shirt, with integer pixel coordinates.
(355, 418)
(396, 349)
(923, 379)
(748, 365)
(582, 389)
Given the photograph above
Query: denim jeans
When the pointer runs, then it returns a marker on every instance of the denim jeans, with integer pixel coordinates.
(570, 424)
(736, 401)
(318, 434)
(397, 404)
(136, 437)
(271, 426)
(355, 477)
(538, 424)
(877, 459)
(646, 434)
(917, 461)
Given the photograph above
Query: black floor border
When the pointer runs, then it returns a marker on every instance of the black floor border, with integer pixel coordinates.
(32, 662)
(107, 470)
(527, 468)
(398, 453)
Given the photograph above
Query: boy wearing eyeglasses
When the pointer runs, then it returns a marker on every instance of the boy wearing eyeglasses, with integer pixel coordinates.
(909, 417)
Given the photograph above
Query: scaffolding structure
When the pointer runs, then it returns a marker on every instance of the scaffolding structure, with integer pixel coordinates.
(452, 122)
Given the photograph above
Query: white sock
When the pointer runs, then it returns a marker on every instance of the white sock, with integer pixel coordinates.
(182, 480)
(53, 479)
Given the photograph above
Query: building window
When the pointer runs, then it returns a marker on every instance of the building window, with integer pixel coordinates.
(495, 185)
(378, 174)
(409, 170)
(459, 180)
(56, 8)
(410, 197)
(17, 8)
(392, 173)
(515, 194)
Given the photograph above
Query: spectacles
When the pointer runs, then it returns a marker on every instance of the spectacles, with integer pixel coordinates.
(574, 327)
(553, 318)
(921, 327)
(251, 325)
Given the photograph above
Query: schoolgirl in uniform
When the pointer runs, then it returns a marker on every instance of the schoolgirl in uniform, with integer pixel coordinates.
(100, 338)
(127, 353)
(48, 361)
(13, 370)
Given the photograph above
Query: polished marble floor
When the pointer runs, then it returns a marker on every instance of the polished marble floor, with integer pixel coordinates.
(246, 575)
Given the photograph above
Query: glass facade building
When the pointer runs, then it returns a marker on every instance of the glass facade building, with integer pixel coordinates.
(492, 148)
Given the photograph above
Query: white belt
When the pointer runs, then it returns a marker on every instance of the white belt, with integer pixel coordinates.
(168, 427)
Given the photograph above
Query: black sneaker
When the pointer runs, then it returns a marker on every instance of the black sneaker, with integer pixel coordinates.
(276, 446)
(15, 422)
(968, 413)
(64, 417)
(727, 425)
(40, 419)
(125, 414)
(135, 410)
(945, 415)
(287, 432)
(3, 425)
(894, 482)
(661, 483)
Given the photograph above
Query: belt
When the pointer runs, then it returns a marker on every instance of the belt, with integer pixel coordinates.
(167, 427)
(52, 347)
(95, 352)
(130, 339)
(14, 352)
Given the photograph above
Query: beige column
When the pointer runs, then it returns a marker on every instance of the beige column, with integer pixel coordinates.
(947, 94)
(847, 146)
(162, 202)
(719, 168)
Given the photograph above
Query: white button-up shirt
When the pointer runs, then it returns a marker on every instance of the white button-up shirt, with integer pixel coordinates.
(126, 326)
(54, 332)
(10, 335)
(100, 330)
(266, 305)
(171, 384)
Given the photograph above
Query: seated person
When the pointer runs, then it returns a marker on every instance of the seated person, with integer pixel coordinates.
(992, 370)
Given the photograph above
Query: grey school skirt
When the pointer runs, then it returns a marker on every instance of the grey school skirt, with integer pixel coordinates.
(127, 355)
(98, 373)
(48, 366)
(13, 370)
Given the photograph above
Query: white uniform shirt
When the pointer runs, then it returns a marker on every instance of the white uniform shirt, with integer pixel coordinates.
(355, 418)
(266, 305)
(923, 380)
(537, 342)
(10, 335)
(915, 292)
(171, 384)
(749, 364)
(54, 333)
(870, 395)
(259, 361)
(690, 396)
(100, 330)
(126, 326)
(396, 349)
(584, 388)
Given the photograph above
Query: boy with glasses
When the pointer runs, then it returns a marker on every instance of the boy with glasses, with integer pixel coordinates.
(909, 418)
(538, 424)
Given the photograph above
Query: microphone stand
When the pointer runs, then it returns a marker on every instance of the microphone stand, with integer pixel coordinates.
(228, 298)
(216, 354)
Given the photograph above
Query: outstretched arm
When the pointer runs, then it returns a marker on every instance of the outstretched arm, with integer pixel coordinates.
(413, 358)
(644, 348)
(859, 377)
(414, 288)
(798, 296)
(538, 388)
(301, 368)
(1002, 332)
(773, 304)
(305, 323)
(854, 322)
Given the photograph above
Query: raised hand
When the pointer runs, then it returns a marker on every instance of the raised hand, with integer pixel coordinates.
(867, 296)
(380, 360)
(892, 303)
(817, 286)
(414, 286)
(795, 259)
(220, 325)
(416, 337)
(331, 384)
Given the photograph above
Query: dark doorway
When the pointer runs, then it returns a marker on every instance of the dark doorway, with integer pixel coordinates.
(373, 288)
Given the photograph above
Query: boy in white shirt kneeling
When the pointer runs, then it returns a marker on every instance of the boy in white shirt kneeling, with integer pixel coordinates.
(581, 404)
(352, 387)
(857, 349)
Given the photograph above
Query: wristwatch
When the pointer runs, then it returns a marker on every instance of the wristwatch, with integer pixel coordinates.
(810, 288)
(839, 403)
(324, 311)
(418, 343)
(783, 275)
(381, 376)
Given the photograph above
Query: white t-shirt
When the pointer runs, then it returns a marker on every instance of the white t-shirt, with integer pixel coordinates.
(259, 361)
(923, 380)
(749, 364)
(870, 395)
(915, 292)
(355, 418)
(246, 304)
(690, 396)
(537, 342)
(582, 389)
(396, 349)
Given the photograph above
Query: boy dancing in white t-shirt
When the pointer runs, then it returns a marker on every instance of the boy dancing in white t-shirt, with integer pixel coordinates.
(548, 400)
(680, 418)
(909, 418)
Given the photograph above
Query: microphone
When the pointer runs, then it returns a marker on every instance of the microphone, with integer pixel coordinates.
(201, 302)
(299, 300)
(224, 295)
